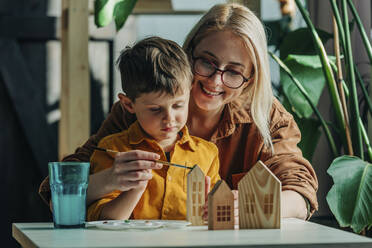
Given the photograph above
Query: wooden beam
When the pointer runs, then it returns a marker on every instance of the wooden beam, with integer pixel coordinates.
(153, 6)
(74, 126)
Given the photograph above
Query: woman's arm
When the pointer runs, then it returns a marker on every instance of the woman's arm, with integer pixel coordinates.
(298, 178)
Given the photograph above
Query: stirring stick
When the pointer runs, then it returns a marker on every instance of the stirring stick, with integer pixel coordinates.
(158, 161)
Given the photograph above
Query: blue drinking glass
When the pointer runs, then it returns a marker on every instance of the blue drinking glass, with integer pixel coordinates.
(68, 185)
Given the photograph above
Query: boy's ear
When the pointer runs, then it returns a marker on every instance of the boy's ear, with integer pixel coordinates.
(126, 103)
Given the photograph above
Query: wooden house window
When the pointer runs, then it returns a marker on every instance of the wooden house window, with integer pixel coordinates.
(250, 203)
(200, 210)
(268, 203)
(223, 213)
(197, 207)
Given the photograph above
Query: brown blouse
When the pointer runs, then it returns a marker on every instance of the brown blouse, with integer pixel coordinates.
(240, 146)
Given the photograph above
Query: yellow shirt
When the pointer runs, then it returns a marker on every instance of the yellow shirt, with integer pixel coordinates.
(165, 195)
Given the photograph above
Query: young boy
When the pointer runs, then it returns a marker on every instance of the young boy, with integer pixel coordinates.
(156, 78)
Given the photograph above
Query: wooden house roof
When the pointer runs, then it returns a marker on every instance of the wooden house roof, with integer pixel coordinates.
(259, 168)
(220, 186)
(196, 171)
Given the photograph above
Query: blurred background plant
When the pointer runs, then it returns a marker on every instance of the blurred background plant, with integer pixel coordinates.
(305, 70)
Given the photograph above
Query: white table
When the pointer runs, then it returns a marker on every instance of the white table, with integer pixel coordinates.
(293, 233)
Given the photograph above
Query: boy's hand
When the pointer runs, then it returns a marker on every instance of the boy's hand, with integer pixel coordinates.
(236, 209)
(132, 170)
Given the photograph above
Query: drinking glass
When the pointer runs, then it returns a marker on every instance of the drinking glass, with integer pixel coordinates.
(68, 185)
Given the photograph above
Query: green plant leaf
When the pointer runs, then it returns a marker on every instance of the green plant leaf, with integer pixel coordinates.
(310, 134)
(107, 10)
(122, 10)
(300, 41)
(276, 30)
(308, 70)
(103, 11)
(307, 97)
(350, 197)
(310, 131)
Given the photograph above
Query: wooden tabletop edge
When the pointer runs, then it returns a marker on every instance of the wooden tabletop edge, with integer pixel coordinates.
(21, 238)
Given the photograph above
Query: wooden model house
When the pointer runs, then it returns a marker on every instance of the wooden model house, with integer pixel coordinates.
(195, 196)
(220, 207)
(259, 199)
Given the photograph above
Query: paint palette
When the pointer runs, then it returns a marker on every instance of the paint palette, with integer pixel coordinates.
(122, 225)
(138, 224)
(174, 224)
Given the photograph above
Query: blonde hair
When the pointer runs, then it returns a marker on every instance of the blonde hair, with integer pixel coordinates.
(244, 23)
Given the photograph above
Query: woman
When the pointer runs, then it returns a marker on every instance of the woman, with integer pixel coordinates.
(231, 105)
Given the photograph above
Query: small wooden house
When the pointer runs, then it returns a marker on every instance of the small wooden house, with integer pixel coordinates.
(259, 199)
(195, 196)
(220, 207)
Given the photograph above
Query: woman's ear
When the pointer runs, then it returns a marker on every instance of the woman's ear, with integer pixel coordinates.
(126, 103)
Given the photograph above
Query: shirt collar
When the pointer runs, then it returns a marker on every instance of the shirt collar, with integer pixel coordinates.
(186, 139)
(240, 111)
(234, 113)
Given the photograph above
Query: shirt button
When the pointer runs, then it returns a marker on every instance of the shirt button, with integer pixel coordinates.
(166, 211)
(169, 178)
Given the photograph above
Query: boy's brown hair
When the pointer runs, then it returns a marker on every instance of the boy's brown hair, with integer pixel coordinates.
(154, 65)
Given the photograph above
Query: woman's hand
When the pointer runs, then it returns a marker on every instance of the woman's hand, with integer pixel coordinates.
(207, 189)
(130, 170)
(236, 208)
(293, 205)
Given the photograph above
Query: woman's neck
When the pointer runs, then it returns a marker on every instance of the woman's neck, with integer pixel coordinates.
(202, 123)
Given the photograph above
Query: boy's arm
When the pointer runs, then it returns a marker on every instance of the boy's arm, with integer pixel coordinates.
(115, 205)
(122, 207)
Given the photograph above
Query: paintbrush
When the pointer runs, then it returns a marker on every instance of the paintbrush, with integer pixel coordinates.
(158, 161)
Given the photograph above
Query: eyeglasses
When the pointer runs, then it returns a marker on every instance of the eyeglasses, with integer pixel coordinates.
(205, 68)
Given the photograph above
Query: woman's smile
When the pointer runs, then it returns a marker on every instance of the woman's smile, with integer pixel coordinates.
(210, 92)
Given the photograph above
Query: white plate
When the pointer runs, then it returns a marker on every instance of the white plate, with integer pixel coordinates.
(121, 225)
